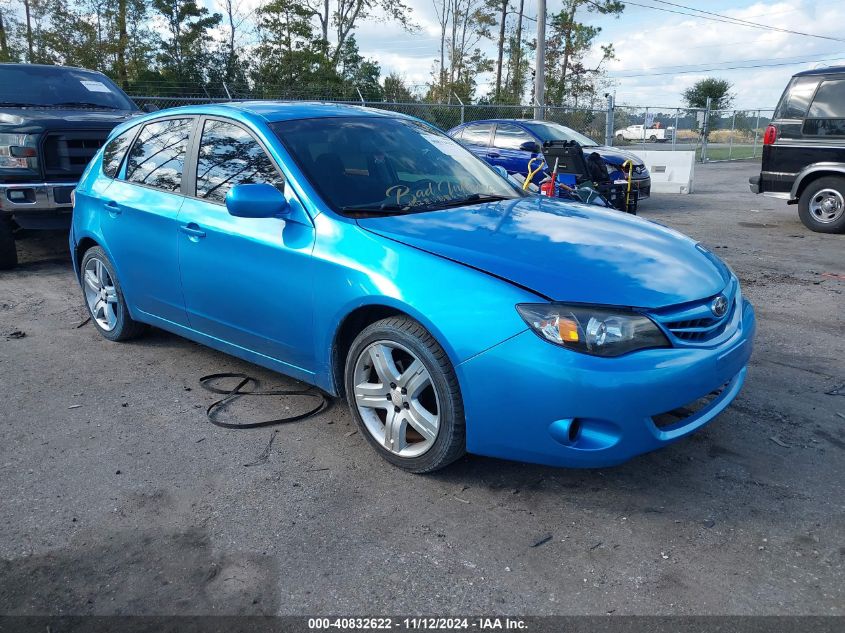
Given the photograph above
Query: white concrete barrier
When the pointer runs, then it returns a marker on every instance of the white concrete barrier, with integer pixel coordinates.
(671, 172)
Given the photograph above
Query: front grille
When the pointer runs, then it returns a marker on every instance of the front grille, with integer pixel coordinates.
(65, 154)
(698, 329)
(695, 322)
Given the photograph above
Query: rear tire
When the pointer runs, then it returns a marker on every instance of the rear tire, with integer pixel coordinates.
(821, 206)
(8, 251)
(104, 298)
(404, 395)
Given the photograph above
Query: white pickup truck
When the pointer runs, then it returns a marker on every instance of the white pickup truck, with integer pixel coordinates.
(642, 133)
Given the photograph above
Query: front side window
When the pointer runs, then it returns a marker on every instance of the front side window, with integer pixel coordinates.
(157, 157)
(826, 116)
(365, 166)
(115, 150)
(793, 104)
(510, 137)
(477, 134)
(230, 156)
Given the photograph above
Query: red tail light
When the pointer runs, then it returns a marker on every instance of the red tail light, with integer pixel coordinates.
(771, 135)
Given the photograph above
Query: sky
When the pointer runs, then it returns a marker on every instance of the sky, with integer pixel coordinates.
(653, 46)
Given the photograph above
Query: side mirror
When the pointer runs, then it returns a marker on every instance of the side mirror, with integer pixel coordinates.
(256, 201)
(530, 146)
(149, 107)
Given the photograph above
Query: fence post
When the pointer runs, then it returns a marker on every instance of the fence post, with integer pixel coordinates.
(675, 131)
(462, 106)
(705, 131)
(733, 131)
(226, 88)
(645, 124)
(756, 133)
(608, 123)
(360, 96)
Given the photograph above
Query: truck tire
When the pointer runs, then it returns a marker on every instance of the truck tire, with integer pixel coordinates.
(8, 252)
(821, 206)
(652, 138)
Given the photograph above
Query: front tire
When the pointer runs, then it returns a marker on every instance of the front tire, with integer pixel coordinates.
(8, 251)
(404, 395)
(104, 298)
(821, 206)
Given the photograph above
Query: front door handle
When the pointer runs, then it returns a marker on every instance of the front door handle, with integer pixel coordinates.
(113, 208)
(192, 230)
(493, 155)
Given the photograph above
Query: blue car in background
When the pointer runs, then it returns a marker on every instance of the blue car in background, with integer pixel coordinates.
(511, 143)
(369, 254)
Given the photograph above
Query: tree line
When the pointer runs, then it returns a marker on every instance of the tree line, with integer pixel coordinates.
(308, 48)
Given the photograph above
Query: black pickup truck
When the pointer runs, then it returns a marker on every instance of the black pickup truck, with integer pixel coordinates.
(53, 119)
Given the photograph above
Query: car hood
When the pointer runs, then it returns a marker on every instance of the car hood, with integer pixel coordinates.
(614, 155)
(565, 251)
(37, 120)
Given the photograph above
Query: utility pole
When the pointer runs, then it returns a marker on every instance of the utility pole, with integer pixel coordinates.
(540, 64)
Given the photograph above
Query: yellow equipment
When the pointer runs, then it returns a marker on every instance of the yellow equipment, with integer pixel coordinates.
(533, 172)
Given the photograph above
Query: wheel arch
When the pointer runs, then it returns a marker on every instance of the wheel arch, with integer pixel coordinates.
(79, 252)
(812, 173)
(362, 316)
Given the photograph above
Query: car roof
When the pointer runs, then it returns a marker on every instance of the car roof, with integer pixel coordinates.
(517, 121)
(829, 70)
(273, 111)
(54, 66)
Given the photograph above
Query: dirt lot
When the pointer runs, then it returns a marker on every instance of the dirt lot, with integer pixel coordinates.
(119, 497)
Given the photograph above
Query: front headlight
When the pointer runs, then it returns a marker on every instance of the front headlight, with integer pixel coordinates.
(592, 330)
(17, 151)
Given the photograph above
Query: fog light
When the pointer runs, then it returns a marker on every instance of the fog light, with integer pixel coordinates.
(17, 195)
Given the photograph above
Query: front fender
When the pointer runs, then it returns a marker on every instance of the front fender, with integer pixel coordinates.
(466, 310)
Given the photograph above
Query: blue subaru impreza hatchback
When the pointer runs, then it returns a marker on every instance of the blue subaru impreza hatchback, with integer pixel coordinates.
(371, 255)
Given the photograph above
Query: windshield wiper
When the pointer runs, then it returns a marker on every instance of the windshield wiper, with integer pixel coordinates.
(84, 104)
(390, 207)
(474, 198)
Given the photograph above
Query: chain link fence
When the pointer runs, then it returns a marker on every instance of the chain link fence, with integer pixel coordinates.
(715, 135)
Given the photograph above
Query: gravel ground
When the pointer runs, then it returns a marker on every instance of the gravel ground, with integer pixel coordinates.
(119, 497)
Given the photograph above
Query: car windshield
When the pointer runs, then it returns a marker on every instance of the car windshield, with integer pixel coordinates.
(555, 132)
(59, 87)
(371, 166)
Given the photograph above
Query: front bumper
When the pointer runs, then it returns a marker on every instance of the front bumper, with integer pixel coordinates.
(754, 184)
(35, 197)
(532, 401)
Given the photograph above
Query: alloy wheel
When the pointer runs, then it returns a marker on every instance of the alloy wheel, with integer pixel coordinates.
(100, 294)
(396, 398)
(827, 205)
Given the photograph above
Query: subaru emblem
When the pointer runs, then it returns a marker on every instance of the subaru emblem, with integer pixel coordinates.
(719, 306)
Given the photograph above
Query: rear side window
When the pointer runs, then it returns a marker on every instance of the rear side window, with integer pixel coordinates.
(793, 104)
(477, 134)
(826, 116)
(157, 157)
(115, 151)
(510, 137)
(230, 156)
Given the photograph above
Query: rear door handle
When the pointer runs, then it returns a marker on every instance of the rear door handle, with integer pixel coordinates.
(113, 208)
(192, 230)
